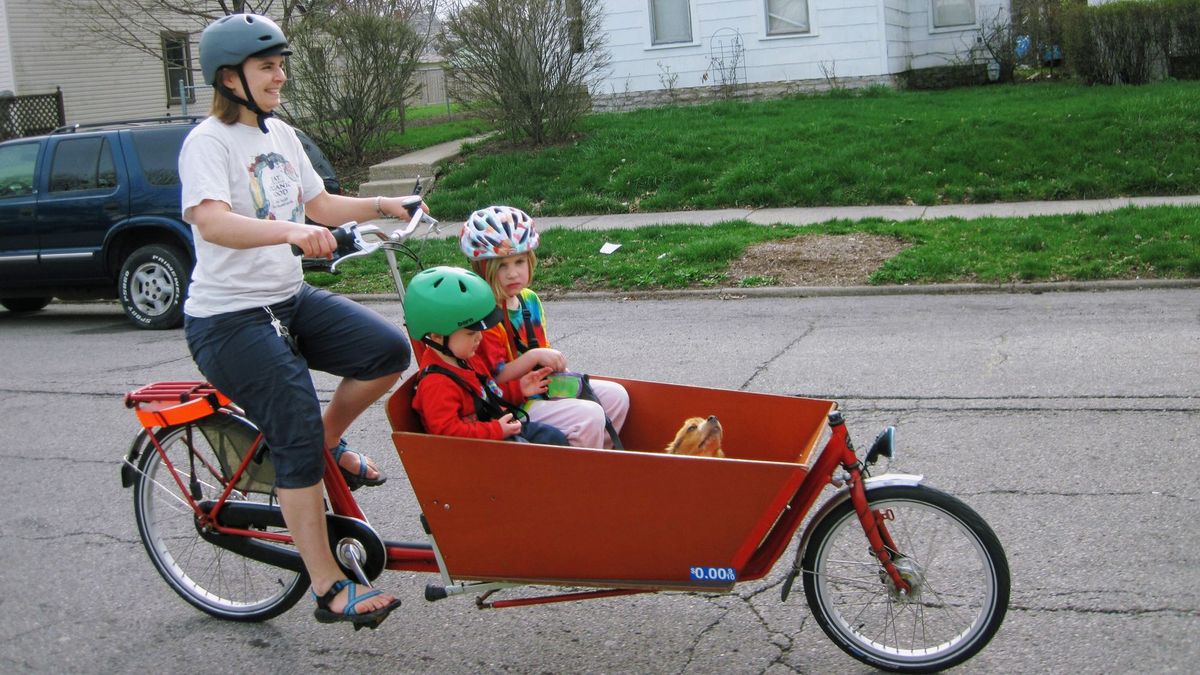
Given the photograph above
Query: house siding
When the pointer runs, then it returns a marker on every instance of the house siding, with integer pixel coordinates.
(849, 41)
(100, 81)
(7, 82)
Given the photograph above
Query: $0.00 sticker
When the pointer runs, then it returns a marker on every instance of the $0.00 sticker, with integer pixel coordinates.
(718, 574)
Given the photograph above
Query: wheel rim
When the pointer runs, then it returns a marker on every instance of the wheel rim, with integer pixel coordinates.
(954, 585)
(218, 581)
(152, 289)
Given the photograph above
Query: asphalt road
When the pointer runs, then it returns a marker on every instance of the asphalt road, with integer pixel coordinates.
(1068, 420)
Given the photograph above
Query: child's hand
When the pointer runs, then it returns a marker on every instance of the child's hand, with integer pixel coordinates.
(509, 426)
(535, 382)
(547, 357)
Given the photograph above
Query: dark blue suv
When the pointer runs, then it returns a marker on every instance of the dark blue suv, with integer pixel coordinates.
(90, 212)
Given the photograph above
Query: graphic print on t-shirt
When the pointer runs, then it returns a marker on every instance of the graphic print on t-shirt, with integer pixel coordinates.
(275, 188)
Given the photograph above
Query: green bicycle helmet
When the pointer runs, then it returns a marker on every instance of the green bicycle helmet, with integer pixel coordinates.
(443, 299)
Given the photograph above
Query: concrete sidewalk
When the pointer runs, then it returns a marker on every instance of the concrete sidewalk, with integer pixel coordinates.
(821, 214)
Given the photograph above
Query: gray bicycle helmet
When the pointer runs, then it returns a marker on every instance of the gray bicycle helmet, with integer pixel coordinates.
(228, 42)
(232, 39)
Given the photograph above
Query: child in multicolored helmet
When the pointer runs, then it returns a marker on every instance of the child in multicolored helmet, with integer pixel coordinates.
(499, 242)
(447, 309)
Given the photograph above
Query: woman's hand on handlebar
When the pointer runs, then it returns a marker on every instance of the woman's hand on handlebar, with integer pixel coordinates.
(509, 426)
(314, 241)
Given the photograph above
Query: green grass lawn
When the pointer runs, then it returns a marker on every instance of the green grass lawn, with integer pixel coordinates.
(1043, 141)
(1159, 242)
(1046, 141)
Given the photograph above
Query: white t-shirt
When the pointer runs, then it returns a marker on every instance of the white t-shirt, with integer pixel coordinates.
(259, 175)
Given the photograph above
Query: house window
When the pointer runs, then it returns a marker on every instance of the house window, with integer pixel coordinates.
(948, 13)
(177, 60)
(785, 17)
(670, 21)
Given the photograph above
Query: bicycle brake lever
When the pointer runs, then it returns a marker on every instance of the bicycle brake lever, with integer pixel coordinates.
(351, 242)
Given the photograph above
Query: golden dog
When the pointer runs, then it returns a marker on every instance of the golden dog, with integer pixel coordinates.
(698, 436)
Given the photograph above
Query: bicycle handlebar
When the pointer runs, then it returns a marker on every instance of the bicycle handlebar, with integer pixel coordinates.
(350, 236)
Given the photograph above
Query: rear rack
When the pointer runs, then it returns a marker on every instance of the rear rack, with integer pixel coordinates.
(163, 404)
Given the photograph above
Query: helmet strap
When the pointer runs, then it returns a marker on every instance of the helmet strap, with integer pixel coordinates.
(444, 347)
(248, 102)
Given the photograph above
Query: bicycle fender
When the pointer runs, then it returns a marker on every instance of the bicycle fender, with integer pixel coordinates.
(129, 466)
(886, 480)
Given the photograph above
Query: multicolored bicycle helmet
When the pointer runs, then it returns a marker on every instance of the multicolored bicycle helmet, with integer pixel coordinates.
(497, 232)
(443, 299)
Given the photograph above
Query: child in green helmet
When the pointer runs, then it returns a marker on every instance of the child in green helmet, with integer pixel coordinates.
(447, 309)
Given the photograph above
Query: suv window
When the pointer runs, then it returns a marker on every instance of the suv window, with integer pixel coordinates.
(82, 164)
(16, 169)
(158, 153)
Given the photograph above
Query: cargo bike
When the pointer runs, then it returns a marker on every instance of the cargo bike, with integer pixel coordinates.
(898, 574)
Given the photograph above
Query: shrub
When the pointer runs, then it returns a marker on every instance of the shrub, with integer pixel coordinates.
(526, 64)
(1133, 41)
(352, 68)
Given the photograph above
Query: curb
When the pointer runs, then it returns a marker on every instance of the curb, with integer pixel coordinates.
(729, 293)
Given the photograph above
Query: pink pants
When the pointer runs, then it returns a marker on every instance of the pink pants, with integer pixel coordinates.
(583, 421)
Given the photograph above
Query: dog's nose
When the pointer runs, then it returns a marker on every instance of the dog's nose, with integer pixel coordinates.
(712, 418)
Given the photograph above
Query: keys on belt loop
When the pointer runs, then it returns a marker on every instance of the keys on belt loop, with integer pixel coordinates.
(282, 331)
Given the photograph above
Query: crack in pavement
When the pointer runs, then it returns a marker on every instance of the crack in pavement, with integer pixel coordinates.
(1045, 493)
(71, 460)
(1153, 611)
(80, 533)
(810, 327)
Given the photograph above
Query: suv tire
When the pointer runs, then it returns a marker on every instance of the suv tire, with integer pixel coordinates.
(21, 305)
(152, 285)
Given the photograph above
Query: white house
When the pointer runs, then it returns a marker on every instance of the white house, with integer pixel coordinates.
(681, 46)
(41, 50)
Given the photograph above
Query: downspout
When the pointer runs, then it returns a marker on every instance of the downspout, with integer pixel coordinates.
(886, 44)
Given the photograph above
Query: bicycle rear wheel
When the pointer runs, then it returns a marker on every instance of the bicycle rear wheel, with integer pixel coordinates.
(946, 552)
(216, 581)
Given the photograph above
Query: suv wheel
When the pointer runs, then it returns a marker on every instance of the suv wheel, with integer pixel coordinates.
(24, 304)
(152, 284)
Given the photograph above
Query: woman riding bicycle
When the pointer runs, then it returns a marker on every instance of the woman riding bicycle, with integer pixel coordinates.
(253, 326)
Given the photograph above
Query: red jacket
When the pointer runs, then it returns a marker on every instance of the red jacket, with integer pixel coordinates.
(447, 409)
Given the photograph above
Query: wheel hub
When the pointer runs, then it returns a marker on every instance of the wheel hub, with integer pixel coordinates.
(152, 289)
(912, 573)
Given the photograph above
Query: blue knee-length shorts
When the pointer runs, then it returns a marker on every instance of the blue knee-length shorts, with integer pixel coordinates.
(242, 356)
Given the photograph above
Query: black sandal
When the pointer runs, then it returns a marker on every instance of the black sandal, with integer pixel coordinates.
(357, 479)
(369, 620)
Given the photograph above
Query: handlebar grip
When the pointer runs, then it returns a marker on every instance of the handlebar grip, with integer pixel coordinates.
(344, 239)
(412, 204)
(345, 242)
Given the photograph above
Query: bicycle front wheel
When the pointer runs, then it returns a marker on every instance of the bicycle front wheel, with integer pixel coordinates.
(216, 581)
(949, 556)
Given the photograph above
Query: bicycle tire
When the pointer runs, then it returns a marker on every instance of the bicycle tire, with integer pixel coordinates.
(217, 581)
(955, 562)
